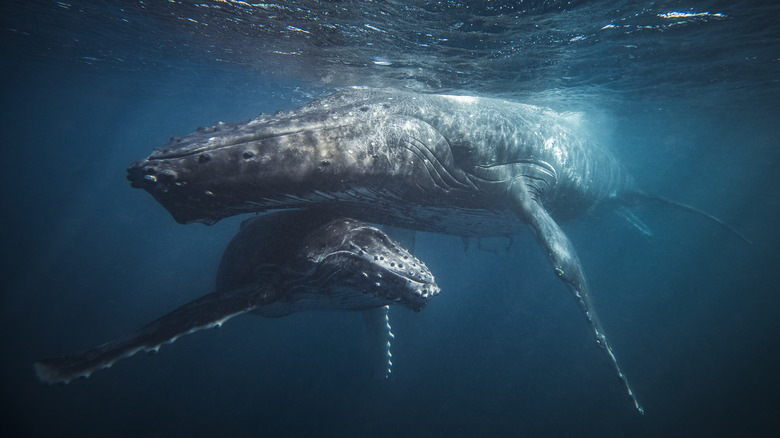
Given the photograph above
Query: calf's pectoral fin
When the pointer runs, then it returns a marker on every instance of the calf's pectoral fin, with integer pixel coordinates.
(206, 312)
(377, 321)
(566, 264)
(379, 340)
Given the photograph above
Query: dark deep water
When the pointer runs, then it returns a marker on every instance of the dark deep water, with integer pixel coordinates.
(689, 102)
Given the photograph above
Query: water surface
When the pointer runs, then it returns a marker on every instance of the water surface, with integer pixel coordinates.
(685, 93)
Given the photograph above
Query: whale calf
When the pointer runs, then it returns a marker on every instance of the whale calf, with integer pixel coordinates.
(277, 264)
(462, 165)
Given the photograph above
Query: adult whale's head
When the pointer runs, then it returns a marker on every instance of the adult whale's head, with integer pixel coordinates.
(324, 264)
(353, 144)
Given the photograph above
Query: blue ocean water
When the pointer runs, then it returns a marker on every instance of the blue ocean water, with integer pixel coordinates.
(686, 94)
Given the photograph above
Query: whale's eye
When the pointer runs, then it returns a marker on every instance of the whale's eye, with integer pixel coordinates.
(462, 153)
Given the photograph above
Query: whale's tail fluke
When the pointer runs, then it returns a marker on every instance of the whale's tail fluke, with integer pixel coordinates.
(637, 197)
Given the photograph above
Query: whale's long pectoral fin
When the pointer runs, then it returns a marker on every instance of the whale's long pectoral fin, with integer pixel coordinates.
(567, 266)
(209, 311)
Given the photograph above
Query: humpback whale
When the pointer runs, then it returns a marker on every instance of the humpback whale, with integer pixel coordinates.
(277, 264)
(468, 166)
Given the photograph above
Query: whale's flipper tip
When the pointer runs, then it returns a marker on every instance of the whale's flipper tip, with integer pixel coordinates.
(63, 370)
(206, 312)
(46, 373)
(568, 268)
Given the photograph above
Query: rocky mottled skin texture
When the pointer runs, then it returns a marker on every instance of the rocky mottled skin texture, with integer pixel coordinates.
(278, 264)
(452, 164)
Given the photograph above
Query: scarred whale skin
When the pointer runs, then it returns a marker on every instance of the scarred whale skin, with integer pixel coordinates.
(428, 162)
(277, 264)
(461, 165)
